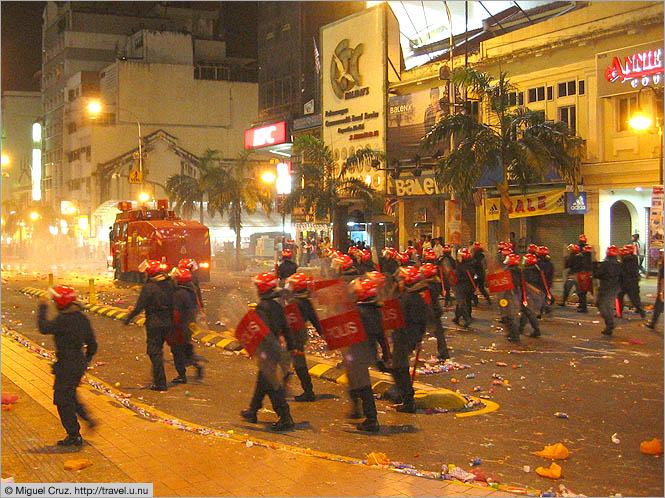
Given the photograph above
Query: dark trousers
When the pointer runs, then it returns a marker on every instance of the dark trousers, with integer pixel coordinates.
(568, 286)
(439, 331)
(67, 378)
(605, 302)
(657, 310)
(582, 298)
(633, 291)
(528, 314)
(183, 357)
(404, 344)
(155, 350)
(299, 361)
(277, 396)
(463, 305)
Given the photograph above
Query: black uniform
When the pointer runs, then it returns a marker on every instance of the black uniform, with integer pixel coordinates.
(286, 269)
(197, 288)
(389, 268)
(574, 265)
(463, 292)
(271, 360)
(630, 282)
(156, 298)
(434, 317)
(300, 341)
(406, 339)
(448, 263)
(185, 306)
(479, 270)
(513, 303)
(547, 267)
(71, 330)
(658, 305)
(609, 274)
(585, 265)
(365, 267)
(531, 275)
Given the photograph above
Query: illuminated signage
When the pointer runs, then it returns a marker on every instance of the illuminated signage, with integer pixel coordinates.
(283, 182)
(642, 67)
(264, 136)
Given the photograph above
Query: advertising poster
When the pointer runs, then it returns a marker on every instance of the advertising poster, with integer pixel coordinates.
(655, 225)
(536, 204)
(454, 222)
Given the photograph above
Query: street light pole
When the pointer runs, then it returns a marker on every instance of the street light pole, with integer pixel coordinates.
(659, 125)
(138, 123)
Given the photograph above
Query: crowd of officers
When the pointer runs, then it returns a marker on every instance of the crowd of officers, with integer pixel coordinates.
(423, 282)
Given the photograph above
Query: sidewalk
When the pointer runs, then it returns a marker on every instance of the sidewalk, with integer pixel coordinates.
(128, 447)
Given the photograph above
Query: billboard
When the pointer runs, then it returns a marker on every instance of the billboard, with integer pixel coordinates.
(629, 69)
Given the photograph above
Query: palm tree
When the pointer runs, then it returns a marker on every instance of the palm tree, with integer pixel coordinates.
(236, 188)
(323, 187)
(187, 191)
(521, 142)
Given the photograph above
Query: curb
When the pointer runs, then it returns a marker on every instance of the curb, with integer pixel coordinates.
(426, 395)
(153, 414)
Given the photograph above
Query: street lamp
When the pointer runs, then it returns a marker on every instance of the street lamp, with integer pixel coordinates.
(641, 121)
(34, 216)
(95, 107)
(268, 177)
(143, 197)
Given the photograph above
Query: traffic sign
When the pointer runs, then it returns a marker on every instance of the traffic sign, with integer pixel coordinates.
(135, 176)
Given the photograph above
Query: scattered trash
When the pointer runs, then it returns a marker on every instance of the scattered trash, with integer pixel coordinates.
(9, 399)
(375, 458)
(117, 384)
(526, 469)
(626, 362)
(501, 364)
(636, 341)
(553, 472)
(561, 415)
(555, 451)
(461, 475)
(453, 380)
(77, 464)
(653, 447)
(186, 393)
(471, 376)
(615, 439)
(475, 462)
(249, 444)
(617, 376)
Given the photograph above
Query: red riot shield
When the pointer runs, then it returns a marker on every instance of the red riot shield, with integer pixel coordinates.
(391, 315)
(343, 330)
(294, 317)
(584, 281)
(500, 281)
(250, 331)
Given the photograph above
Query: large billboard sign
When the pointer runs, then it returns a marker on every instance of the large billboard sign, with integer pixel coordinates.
(264, 136)
(629, 69)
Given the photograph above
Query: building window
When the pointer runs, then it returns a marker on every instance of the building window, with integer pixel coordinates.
(537, 94)
(568, 115)
(138, 41)
(625, 108)
(512, 99)
(71, 127)
(550, 93)
(580, 87)
(567, 88)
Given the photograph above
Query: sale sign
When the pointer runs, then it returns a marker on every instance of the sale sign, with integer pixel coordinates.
(391, 315)
(584, 281)
(500, 281)
(293, 317)
(250, 331)
(343, 330)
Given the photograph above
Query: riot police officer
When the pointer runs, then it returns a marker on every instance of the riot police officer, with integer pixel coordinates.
(658, 305)
(464, 288)
(185, 306)
(448, 264)
(608, 273)
(511, 301)
(531, 275)
(479, 270)
(156, 298)
(630, 280)
(431, 274)
(547, 267)
(72, 332)
(573, 263)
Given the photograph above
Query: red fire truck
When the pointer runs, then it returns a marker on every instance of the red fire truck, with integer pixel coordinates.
(144, 233)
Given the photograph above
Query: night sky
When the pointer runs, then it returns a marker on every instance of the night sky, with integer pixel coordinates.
(21, 26)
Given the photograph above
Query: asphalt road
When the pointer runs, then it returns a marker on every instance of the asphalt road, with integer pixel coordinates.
(605, 387)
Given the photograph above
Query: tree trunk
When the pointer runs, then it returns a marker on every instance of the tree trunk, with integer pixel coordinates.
(201, 211)
(237, 265)
(504, 212)
(340, 238)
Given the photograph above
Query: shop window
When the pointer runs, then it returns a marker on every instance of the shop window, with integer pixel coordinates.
(580, 87)
(625, 107)
(568, 115)
(550, 93)
(537, 94)
(567, 88)
(512, 99)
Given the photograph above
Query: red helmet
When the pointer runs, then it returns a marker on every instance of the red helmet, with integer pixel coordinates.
(507, 243)
(297, 282)
(506, 251)
(365, 255)
(429, 270)
(182, 275)
(265, 282)
(329, 252)
(403, 258)
(151, 266)
(543, 251)
(63, 295)
(530, 259)
(447, 249)
(588, 248)
(364, 289)
(429, 255)
(477, 245)
(287, 254)
(464, 253)
(411, 251)
(188, 263)
(389, 252)
(343, 262)
(378, 277)
(612, 251)
(410, 274)
(512, 259)
(626, 250)
(352, 250)
(574, 248)
(582, 238)
(532, 249)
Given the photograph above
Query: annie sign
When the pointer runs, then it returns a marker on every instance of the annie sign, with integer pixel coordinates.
(628, 69)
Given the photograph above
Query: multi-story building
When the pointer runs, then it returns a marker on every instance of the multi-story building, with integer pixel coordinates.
(20, 111)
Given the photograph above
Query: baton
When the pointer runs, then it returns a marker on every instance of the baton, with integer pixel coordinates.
(524, 300)
(617, 307)
(547, 287)
(415, 364)
(475, 289)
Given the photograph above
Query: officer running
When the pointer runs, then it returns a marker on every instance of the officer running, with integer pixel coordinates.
(479, 270)
(609, 274)
(431, 274)
(630, 280)
(531, 275)
(71, 331)
(464, 288)
(573, 264)
(156, 298)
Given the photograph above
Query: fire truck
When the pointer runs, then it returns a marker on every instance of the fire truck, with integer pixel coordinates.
(144, 233)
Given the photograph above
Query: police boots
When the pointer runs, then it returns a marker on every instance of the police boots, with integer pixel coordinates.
(356, 404)
(371, 423)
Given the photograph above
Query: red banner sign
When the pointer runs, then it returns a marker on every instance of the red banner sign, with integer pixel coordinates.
(584, 281)
(294, 317)
(263, 136)
(343, 330)
(500, 281)
(391, 315)
(250, 331)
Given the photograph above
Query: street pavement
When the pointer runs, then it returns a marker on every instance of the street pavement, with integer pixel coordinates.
(605, 386)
